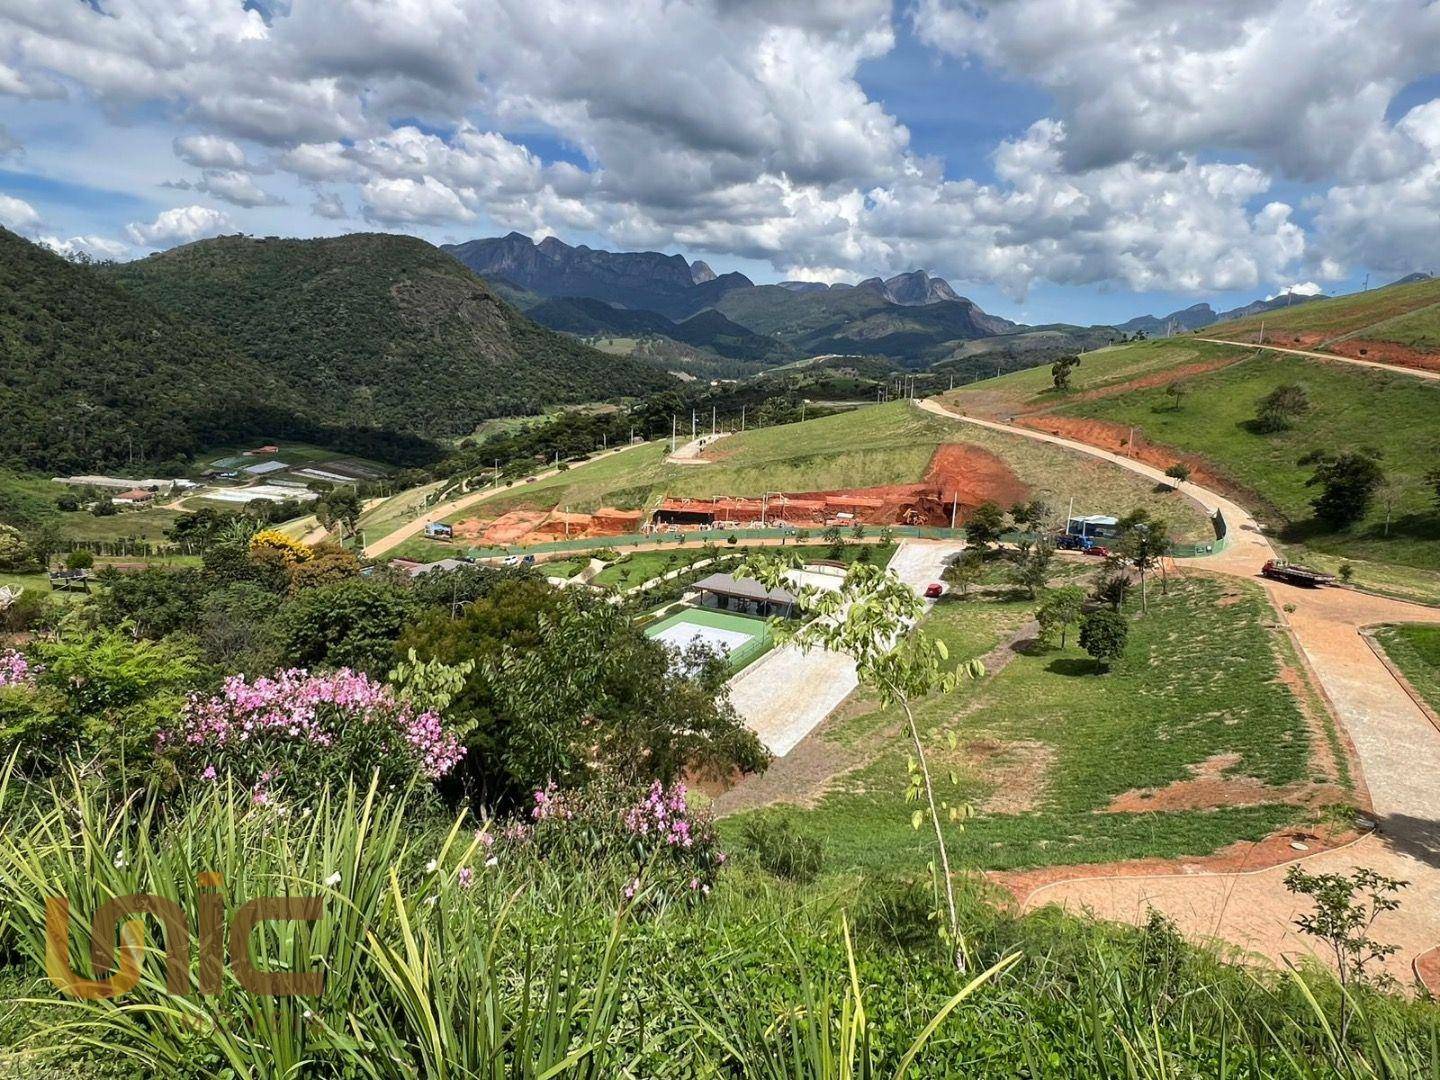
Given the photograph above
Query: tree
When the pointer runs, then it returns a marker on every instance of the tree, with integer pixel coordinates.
(79, 559)
(1061, 609)
(870, 618)
(1176, 393)
(1103, 634)
(1348, 483)
(1179, 472)
(1062, 370)
(1113, 585)
(984, 525)
(965, 572)
(1031, 568)
(833, 536)
(104, 507)
(1030, 515)
(340, 507)
(1278, 410)
(350, 624)
(1144, 541)
(1346, 907)
(15, 552)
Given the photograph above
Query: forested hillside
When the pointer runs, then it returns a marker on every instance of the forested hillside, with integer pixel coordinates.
(380, 330)
(91, 376)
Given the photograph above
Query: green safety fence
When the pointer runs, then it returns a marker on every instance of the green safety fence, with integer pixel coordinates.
(722, 536)
(699, 537)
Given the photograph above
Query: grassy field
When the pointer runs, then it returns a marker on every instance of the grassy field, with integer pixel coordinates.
(1323, 320)
(883, 444)
(1415, 650)
(1045, 745)
(1417, 329)
(1347, 410)
(1033, 388)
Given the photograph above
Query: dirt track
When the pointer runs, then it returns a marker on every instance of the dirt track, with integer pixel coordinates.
(1419, 373)
(1397, 746)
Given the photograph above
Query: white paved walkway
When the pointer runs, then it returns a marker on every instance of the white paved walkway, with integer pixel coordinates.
(787, 692)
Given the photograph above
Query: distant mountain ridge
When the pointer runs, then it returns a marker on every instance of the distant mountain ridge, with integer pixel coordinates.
(645, 280)
(1198, 316)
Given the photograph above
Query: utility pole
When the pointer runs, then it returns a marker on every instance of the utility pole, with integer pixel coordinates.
(712, 419)
(1262, 332)
(742, 417)
(672, 433)
(692, 425)
(1366, 287)
(954, 507)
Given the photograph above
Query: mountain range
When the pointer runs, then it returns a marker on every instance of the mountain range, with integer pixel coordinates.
(1201, 315)
(911, 317)
(369, 342)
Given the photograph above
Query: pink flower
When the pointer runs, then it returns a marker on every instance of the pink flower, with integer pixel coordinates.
(209, 773)
(466, 877)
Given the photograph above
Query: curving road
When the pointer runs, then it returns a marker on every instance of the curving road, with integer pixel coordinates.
(1397, 747)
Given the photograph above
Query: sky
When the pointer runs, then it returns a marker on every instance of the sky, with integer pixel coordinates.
(1056, 160)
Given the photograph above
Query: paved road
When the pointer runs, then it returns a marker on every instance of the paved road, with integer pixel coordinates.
(444, 510)
(1419, 373)
(1397, 747)
(787, 692)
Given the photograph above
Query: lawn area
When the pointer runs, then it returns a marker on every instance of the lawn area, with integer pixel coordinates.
(1415, 650)
(1349, 408)
(148, 524)
(1033, 388)
(882, 444)
(1417, 329)
(1322, 320)
(1045, 745)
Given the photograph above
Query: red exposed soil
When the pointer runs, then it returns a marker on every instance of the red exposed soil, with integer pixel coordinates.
(958, 476)
(1116, 439)
(1243, 855)
(1209, 787)
(1386, 352)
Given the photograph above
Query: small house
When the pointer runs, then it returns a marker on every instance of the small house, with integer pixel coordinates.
(1098, 525)
(439, 530)
(134, 497)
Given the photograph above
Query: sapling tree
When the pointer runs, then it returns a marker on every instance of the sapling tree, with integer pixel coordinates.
(1104, 635)
(1031, 569)
(1179, 472)
(965, 572)
(1346, 907)
(1144, 542)
(870, 618)
(1058, 611)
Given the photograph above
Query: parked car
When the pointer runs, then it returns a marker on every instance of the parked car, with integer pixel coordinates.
(1097, 549)
(933, 590)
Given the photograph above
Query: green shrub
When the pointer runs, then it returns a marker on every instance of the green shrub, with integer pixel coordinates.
(781, 850)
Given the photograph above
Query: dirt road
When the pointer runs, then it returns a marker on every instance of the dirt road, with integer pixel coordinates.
(1398, 752)
(444, 510)
(1419, 373)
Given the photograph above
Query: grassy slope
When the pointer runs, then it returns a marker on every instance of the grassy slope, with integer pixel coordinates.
(884, 444)
(1350, 408)
(1166, 706)
(1331, 318)
(1415, 650)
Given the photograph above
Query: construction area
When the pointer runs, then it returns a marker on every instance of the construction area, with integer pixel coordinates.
(958, 478)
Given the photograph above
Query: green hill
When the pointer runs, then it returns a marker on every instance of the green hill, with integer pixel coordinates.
(1321, 322)
(380, 330)
(95, 377)
(1115, 390)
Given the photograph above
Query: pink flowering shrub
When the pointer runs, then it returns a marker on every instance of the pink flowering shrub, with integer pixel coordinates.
(302, 730)
(652, 835)
(15, 670)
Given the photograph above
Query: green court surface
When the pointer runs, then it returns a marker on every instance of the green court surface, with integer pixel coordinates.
(744, 639)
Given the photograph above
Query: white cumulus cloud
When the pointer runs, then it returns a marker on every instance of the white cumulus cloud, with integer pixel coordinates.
(209, 152)
(17, 214)
(179, 225)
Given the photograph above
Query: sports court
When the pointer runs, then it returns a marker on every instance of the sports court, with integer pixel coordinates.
(741, 638)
